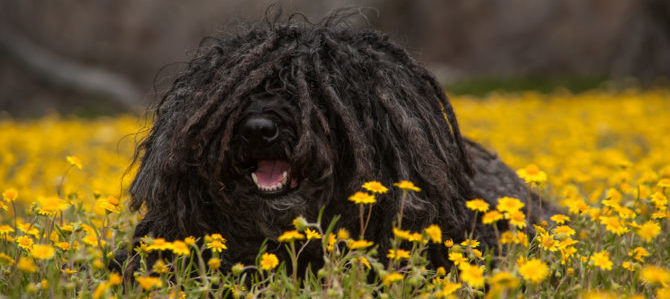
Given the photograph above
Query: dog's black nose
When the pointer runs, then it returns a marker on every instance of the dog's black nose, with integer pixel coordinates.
(259, 130)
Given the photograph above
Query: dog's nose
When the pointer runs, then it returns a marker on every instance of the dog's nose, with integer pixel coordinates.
(259, 130)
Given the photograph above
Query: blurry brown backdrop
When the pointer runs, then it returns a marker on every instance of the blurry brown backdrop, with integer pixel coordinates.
(104, 55)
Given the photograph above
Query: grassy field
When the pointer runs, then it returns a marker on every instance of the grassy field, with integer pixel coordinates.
(604, 157)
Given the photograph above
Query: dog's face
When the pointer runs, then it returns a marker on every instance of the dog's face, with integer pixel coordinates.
(262, 147)
(266, 174)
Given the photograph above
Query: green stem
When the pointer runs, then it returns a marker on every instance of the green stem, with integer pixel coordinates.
(402, 208)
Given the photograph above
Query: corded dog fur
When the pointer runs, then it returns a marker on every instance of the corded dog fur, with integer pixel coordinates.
(285, 118)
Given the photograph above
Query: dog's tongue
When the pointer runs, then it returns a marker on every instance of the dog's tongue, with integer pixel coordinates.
(269, 172)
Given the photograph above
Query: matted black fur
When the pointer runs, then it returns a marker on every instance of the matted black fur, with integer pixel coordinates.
(332, 106)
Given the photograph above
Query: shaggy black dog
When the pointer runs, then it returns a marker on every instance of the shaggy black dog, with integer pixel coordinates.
(283, 119)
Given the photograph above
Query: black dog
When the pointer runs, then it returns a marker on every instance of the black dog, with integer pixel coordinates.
(283, 119)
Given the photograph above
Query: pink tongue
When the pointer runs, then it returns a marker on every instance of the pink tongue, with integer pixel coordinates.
(269, 172)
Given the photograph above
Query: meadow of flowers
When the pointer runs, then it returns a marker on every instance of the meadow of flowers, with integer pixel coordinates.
(603, 157)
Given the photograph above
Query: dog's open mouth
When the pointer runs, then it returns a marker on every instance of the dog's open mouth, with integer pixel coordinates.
(273, 177)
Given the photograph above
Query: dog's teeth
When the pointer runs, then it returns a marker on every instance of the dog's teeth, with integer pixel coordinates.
(284, 178)
(279, 186)
(254, 178)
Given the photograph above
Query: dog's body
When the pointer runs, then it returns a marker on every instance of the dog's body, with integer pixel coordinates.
(285, 119)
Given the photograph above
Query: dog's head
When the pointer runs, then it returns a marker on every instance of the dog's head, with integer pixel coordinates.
(283, 119)
(262, 147)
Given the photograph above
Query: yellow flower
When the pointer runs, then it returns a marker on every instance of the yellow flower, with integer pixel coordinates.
(359, 244)
(509, 204)
(649, 230)
(175, 294)
(614, 197)
(269, 261)
(507, 237)
(189, 241)
(566, 243)
(663, 293)
(214, 237)
(477, 205)
(342, 234)
(457, 258)
(26, 264)
(68, 271)
(51, 205)
(289, 236)
(598, 295)
(10, 195)
(416, 237)
(521, 238)
(402, 234)
(375, 187)
(664, 183)
(624, 212)
(92, 240)
(6, 260)
(547, 242)
(613, 224)
(216, 246)
(98, 264)
(407, 185)
(517, 218)
(477, 253)
(6, 229)
(159, 244)
(160, 267)
(214, 263)
(504, 279)
(564, 230)
(362, 198)
(534, 270)
(473, 275)
(148, 282)
(532, 174)
(115, 279)
(43, 252)
(448, 289)
(560, 218)
(107, 205)
(628, 266)
(25, 242)
(364, 261)
(470, 243)
(331, 242)
(435, 233)
(449, 243)
(602, 260)
(398, 254)
(491, 217)
(312, 234)
(659, 200)
(638, 254)
(391, 278)
(74, 161)
(660, 215)
(655, 275)
(180, 248)
(100, 290)
(67, 227)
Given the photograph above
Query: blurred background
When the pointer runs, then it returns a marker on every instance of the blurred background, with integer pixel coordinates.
(98, 57)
